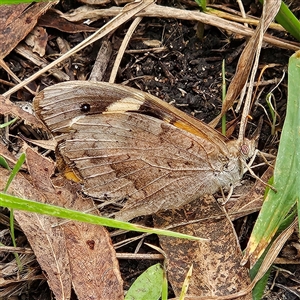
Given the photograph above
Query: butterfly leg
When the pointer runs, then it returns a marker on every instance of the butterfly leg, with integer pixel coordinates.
(226, 198)
(248, 168)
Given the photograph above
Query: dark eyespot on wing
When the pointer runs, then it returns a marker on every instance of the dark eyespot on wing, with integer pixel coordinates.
(85, 107)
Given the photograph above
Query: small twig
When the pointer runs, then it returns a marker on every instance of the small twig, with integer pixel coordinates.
(158, 11)
(102, 60)
(261, 29)
(241, 6)
(123, 47)
(157, 256)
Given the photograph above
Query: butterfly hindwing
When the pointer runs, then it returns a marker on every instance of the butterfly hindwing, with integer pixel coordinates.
(142, 159)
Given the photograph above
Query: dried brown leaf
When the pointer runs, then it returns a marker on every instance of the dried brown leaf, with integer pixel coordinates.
(94, 267)
(74, 254)
(37, 39)
(47, 242)
(216, 263)
(7, 107)
(17, 21)
(52, 19)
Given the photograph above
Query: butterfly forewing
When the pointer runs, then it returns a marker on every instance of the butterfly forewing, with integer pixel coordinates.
(59, 104)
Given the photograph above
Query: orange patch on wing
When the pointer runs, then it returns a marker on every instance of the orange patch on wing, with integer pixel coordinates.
(188, 128)
(70, 175)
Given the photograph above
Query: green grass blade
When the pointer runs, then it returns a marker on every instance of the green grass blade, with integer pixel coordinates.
(4, 163)
(288, 21)
(259, 289)
(8, 123)
(186, 283)
(148, 285)
(15, 171)
(286, 173)
(202, 4)
(13, 174)
(165, 288)
(60, 212)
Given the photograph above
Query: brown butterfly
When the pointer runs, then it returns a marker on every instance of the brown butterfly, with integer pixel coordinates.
(127, 144)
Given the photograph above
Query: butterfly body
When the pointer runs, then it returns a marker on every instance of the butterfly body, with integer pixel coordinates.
(123, 143)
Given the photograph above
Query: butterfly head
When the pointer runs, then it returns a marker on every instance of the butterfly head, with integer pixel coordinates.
(244, 150)
(247, 149)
